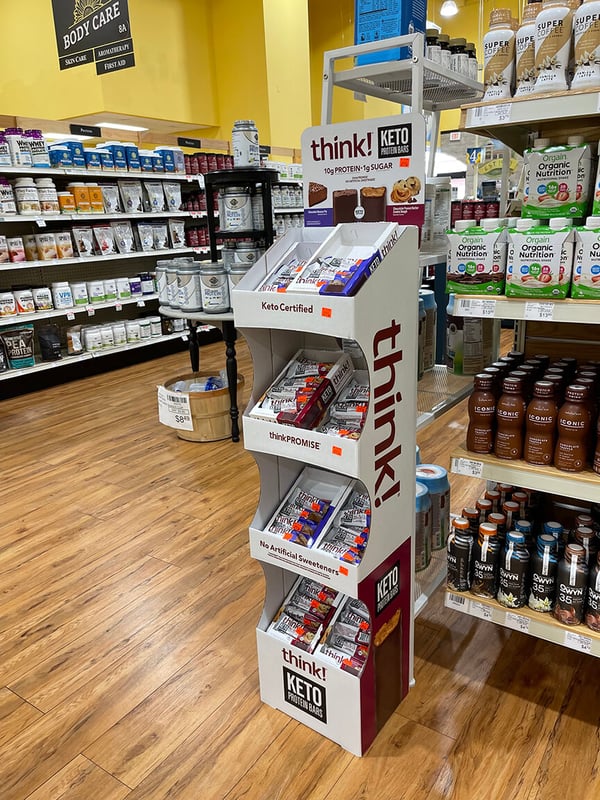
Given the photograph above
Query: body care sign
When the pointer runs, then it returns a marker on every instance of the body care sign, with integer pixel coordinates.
(366, 171)
(90, 31)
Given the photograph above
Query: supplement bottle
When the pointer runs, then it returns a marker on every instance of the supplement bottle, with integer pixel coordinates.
(574, 426)
(28, 200)
(5, 159)
(552, 46)
(473, 66)
(18, 143)
(510, 417)
(484, 564)
(525, 50)
(38, 148)
(542, 582)
(482, 413)
(586, 41)
(458, 548)
(514, 567)
(432, 45)
(445, 57)
(459, 58)
(499, 56)
(571, 586)
(592, 612)
(435, 478)
(540, 425)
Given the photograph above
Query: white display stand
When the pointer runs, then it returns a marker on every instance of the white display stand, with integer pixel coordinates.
(382, 319)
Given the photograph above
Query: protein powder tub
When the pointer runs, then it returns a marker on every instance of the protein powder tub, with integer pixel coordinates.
(42, 298)
(155, 326)
(26, 193)
(214, 288)
(119, 333)
(422, 528)
(24, 301)
(62, 295)
(132, 329)
(244, 142)
(8, 305)
(235, 208)
(48, 196)
(435, 478)
(80, 294)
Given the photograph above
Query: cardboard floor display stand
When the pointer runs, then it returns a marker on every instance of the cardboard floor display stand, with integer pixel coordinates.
(382, 319)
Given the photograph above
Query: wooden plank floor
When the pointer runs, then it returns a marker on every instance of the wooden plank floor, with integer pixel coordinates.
(127, 609)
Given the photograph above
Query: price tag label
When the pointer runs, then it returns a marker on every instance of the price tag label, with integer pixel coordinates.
(70, 315)
(174, 409)
(41, 222)
(140, 303)
(118, 307)
(498, 114)
(184, 337)
(476, 307)
(480, 610)
(517, 622)
(467, 466)
(578, 642)
(90, 311)
(539, 311)
(200, 181)
(456, 601)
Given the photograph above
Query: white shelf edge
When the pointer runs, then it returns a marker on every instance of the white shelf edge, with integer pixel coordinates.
(541, 626)
(67, 360)
(582, 485)
(530, 309)
(198, 316)
(18, 319)
(289, 210)
(94, 259)
(97, 217)
(73, 172)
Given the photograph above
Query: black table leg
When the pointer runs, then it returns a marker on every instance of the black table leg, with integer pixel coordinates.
(229, 336)
(194, 347)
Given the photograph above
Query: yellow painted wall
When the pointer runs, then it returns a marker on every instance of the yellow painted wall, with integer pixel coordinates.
(174, 77)
(237, 28)
(288, 63)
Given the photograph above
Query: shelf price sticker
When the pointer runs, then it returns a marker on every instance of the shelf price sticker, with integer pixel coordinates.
(499, 114)
(480, 610)
(174, 409)
(118, 307)
(41, 222)
(70, 315)
(140, 303)
(544, 312)
(578, 642)
(467, 466)
(456, 601)
(517, 622)
(476, 307)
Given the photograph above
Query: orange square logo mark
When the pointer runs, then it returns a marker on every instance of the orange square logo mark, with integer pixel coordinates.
(404, 162)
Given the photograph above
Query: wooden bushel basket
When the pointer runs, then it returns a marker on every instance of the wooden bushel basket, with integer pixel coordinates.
(210, 410)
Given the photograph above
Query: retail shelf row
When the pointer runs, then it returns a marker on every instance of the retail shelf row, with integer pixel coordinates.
(582, 485)
(68, 360)
(57, 262)
(581, 311)
(95, 175)
(44, 220)
(89, 309)
(542, 626)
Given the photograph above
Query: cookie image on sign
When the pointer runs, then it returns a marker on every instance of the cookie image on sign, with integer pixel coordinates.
(406, 190)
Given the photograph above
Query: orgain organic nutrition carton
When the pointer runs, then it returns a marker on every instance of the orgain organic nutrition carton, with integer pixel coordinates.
(558, 180)
(586, 269)
(476, 261)
(540, 259)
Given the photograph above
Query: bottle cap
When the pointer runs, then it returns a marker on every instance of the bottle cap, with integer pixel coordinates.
(470, 513)
(463, 224)
(546, 540)
(431, 33)
(516, 538)
(492, 494)
(495, 518)
(512, 385)
(488, 529)
(543, 389)
(556, 223)
(461, 524)
(510, 505)
(500, 16)
(522, 525)
(483, 380)
(527, 224)
(576, 393)
(575, 551)
(490, 223)
(443, 38)
(484, 504)
(530, 12)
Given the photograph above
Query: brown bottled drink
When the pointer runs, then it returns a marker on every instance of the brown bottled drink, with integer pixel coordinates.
(517, 356)
(596, 463)
(484, 506)
(537, 365)
(496, 376)
(544, 359)
(494, 496)
(525, 379)
(482, 412)
(559, 386)
(574, 424)
(510, 509)
(540, 425)
(472, 515)
(592, 612)
(510, 416)
(499, 520)
(506, 490)
(530, 379)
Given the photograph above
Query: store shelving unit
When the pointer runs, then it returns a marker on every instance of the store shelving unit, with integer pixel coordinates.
(513, 122)
(67, 361)
(213, 181)
(356, 707)
(88, 308)
(93, 174)
(79, 261)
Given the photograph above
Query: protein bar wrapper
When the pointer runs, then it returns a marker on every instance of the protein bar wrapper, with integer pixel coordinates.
(287, 629)
(336, 276)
